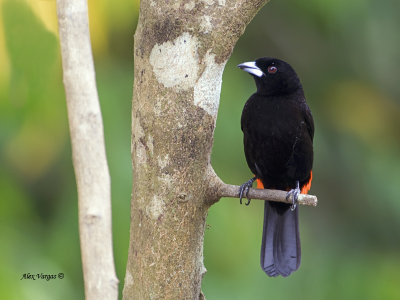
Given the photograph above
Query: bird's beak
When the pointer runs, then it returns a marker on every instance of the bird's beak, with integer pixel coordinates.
(250, 67)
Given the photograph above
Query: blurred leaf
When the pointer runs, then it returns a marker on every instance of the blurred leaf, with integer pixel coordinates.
(35, 121)
(364, 111)
(32, 49)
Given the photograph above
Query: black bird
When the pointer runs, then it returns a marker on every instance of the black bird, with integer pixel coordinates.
(278, 133)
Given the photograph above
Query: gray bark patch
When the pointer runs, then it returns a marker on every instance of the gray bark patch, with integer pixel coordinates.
(176, 63)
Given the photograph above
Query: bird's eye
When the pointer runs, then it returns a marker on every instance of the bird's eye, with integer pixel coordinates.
(272, 69)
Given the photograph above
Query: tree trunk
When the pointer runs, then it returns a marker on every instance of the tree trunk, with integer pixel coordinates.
(180, 52)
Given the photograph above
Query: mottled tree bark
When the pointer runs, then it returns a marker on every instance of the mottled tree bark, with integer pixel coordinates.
(180, 51)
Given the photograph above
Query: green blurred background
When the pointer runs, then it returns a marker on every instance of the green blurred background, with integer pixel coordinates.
(347, 54)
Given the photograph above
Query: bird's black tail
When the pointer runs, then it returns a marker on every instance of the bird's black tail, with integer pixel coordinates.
(280, 248)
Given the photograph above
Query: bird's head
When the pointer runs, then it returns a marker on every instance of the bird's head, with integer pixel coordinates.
(272, 76)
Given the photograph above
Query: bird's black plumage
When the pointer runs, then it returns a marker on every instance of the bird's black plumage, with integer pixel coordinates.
(278, 133)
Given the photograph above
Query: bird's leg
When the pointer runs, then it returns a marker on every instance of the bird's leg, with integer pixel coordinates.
(244, 188)
(295, 194)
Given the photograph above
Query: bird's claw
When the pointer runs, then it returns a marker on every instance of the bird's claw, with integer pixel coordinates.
(295, 195)
(244, 189)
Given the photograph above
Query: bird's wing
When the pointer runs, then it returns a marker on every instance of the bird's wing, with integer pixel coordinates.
(309, 121)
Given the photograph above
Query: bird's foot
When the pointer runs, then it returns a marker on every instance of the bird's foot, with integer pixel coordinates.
(244, 189)
(295, 195)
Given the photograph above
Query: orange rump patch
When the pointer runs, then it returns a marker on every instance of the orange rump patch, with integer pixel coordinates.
(259, 184)
(307, 186)
(304, 190)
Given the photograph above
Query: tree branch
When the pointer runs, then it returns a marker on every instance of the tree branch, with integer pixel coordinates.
(219, 189)
(228, 190)
(89, 157)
